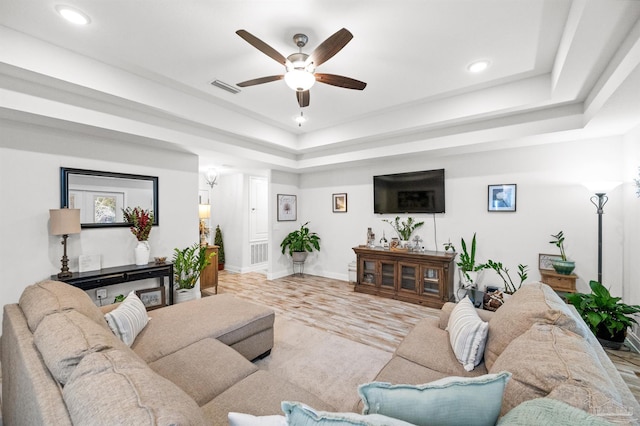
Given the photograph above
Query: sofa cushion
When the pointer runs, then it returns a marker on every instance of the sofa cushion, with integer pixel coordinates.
(115, 387)
(467, 334)
(260, 394)
(128, 319)
(46, 297)
(428, 345)
(448, 401)
(204, 369)
(551, 361)
(223, 317)
(549, 412)
(302, 415)
(533, 303)
(242, 419)
(64, 338)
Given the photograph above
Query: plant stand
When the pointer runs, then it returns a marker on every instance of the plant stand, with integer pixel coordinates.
(300, 266)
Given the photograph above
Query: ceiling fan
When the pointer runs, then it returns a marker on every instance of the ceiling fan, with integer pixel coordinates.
(300, 68)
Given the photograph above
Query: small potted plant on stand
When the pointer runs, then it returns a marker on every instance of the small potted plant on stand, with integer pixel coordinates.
(141, 221)
(606, 316)
(404, 229)
(188, 264)
(564, 266)
(217, 240)
(300, 243)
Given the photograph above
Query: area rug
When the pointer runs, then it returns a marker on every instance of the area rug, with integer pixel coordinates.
(329, 366)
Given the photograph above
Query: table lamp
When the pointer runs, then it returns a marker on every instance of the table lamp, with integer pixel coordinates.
(204, 212)
(64, 222)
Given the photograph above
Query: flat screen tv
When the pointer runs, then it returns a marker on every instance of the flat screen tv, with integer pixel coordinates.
(414, 192)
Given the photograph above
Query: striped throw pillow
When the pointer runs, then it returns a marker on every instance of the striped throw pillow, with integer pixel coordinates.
(128, 319)
(467, 334)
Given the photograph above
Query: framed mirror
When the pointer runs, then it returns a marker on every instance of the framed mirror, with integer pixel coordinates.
(101, 196)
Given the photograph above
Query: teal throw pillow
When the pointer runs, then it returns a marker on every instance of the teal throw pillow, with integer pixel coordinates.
(549, 412)
(298, 414)
(470, 401)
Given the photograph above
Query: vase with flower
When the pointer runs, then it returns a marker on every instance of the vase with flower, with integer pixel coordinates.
(141, 221)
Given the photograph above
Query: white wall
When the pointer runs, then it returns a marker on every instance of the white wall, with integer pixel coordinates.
(30, 186)
(631, 208)
(550, 198)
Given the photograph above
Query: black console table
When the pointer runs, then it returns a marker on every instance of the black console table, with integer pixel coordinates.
(121, 274)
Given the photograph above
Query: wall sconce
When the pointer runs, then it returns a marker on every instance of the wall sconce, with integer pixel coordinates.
(64, 222)
(204, 212)
(599, 200)
(211, 177)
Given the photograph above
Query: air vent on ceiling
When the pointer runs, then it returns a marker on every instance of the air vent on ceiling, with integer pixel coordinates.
(224, 86)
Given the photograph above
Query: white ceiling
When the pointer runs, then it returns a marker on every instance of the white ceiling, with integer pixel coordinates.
(559, 69)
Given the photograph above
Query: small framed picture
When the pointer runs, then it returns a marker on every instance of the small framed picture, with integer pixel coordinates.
(287, 207)
(502, 198)
(340, 203)
(152, 298)
(544, 261)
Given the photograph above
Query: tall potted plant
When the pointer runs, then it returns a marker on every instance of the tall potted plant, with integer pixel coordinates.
(563, 266)
(141, 221)
(467, 266)
(404, 229)
(217, 240)
(300, 243)
(606, 316)
(188, 264)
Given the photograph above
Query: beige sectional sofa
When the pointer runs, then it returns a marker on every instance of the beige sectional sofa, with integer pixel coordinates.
(537, 337)
(61, 363)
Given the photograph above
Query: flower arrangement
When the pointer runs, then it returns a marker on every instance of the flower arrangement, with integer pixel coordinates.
(141, 221)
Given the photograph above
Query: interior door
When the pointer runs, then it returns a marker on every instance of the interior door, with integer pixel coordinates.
(258, 221)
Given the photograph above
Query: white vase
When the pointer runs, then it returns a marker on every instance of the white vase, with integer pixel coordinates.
(142, 252)
(468, 280)
(185, 294)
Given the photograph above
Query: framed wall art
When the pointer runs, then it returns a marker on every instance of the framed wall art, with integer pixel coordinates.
(502, 198)
(339, 203)
(287, 207)
(152, 298)
(545, 260)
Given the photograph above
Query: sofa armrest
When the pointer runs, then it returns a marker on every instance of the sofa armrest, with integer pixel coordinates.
(108, 308)
(448, 307)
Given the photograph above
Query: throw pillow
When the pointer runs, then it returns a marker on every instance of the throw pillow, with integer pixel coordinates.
(64, 338)
(454, 400)
(128, 319)
(240, 419)
(467, 334)
(548, 412)
(298, 414)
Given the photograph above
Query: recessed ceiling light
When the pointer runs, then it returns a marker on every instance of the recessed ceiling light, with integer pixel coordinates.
(478, 66)
(73, 15)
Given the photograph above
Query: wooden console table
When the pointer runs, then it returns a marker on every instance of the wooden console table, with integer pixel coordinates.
(559, 282)
(209, 275)
(121, 274)
(425, 278)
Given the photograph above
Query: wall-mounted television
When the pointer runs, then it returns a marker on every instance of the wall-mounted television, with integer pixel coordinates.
(413, 192)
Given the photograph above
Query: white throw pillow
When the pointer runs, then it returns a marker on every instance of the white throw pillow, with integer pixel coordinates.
(128, 319)
(467, 334)
(241, 419)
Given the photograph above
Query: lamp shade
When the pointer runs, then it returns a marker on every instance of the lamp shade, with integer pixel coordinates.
(64, 221)
(204, 211)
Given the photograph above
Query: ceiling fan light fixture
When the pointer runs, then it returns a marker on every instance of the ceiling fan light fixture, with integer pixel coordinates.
(72, 15)
(299, 80)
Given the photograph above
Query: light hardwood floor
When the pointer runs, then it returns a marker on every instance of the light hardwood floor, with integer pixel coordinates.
(333, 306)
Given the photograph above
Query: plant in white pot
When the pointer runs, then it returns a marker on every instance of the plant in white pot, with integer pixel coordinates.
(467, 266)
(404, 229)
(188, 264)
(300, 243)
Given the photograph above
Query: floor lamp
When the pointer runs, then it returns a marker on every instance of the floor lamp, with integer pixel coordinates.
(599, 200)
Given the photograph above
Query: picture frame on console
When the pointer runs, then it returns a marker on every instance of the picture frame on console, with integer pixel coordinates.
(339, 202)
(287, 207)
(545, 261)
(152, 298)
(502, 198)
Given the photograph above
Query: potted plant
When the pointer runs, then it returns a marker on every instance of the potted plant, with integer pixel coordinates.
(141, 221)
(404, 229)
(468, 268)
(217, 240)
(300, 243)
(606, 316)
(564, 266)
(188, 264)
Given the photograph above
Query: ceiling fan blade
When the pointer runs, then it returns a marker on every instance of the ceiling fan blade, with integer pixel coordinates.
(330, 47)
(260, 80)
(340, 81)
(262, 46)
(303, 98)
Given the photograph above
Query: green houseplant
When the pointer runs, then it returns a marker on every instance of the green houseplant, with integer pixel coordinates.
(467, 265)
(217, 240)
(300, 243)
(606, 316)
(563, 266)
(188, 264)
(405, 228)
